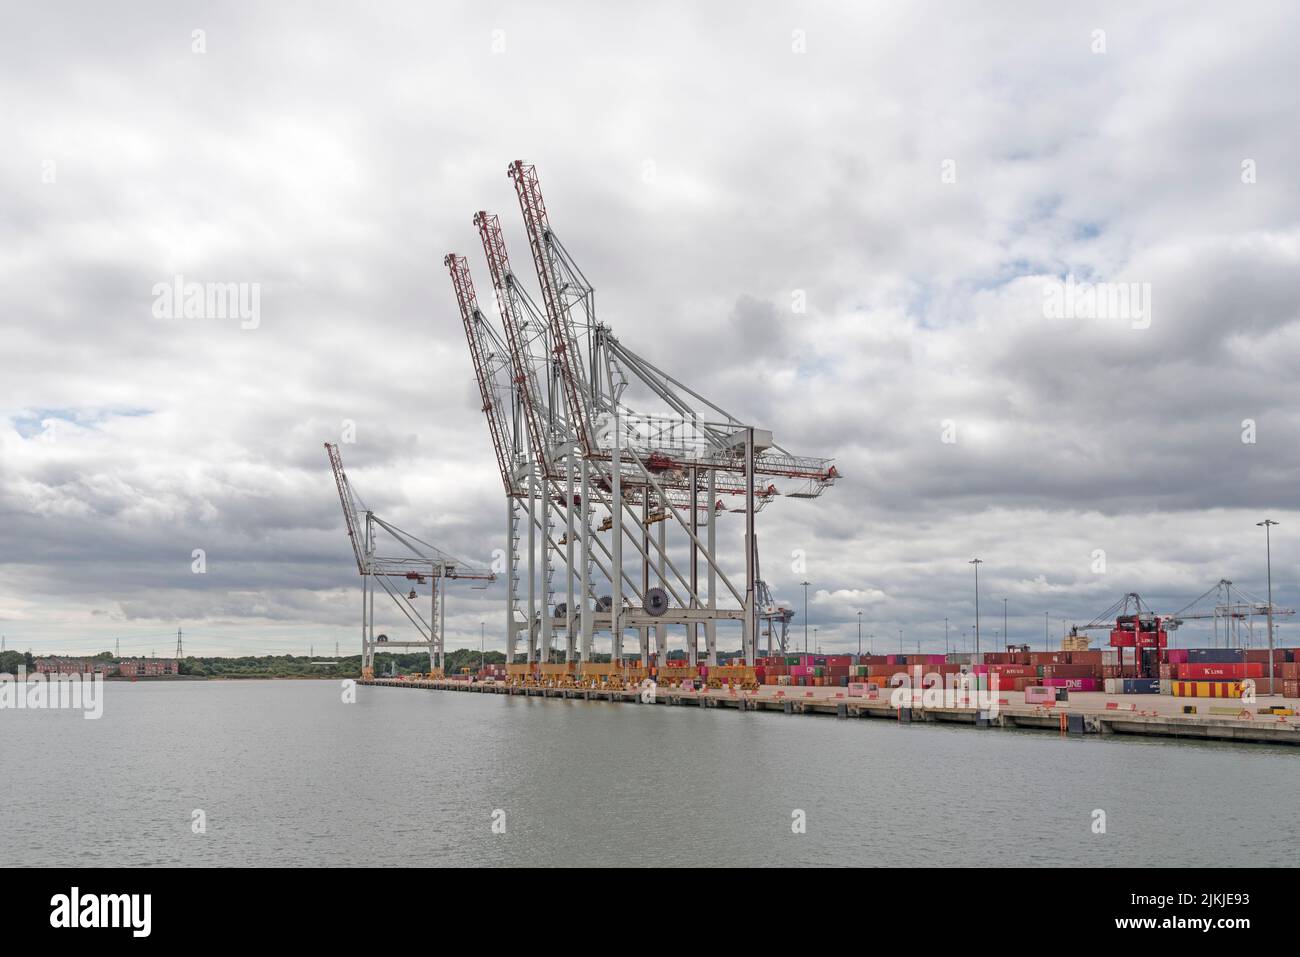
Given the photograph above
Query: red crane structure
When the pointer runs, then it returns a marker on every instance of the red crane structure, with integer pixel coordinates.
(576, 446)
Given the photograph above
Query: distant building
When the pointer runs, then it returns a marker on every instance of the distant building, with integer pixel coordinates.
(148, 667)
(74, 666)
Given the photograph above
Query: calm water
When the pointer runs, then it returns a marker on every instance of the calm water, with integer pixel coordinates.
(287, 774)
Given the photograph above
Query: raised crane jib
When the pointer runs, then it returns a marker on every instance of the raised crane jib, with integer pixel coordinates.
(512, 318)
(474, 321)
(350, 516)
(564, 341)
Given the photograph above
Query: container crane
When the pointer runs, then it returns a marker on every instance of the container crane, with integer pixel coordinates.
(573, 382)
(420, 564)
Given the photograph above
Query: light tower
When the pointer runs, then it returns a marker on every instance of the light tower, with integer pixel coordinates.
(1267, 525)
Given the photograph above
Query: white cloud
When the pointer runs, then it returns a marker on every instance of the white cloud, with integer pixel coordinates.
(334, 158)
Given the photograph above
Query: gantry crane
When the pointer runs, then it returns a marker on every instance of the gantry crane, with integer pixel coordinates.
(1234, 610)
(575, 445)
(421, 564)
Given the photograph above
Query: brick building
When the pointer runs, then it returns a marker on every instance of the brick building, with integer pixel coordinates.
(74, 666)
(149, 667)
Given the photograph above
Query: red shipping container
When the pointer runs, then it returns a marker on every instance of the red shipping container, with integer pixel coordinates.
(1048, 658)
(1069, 671)
(1192, 671)
(1084, 657)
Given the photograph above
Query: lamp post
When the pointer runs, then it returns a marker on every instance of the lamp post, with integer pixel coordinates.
(859, 634)
(900, 641)
(977, 562)
(1267, 525)
(805, 616)
(1006, 635)
(945, 637)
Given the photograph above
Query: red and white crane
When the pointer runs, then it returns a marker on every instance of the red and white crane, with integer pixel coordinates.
(650, 468)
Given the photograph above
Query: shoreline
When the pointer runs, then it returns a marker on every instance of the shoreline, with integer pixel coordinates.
(1085, 714)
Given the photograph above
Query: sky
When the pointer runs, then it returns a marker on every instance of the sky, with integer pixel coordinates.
(846, 222)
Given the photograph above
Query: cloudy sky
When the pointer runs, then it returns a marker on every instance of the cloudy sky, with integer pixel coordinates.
(921, 173)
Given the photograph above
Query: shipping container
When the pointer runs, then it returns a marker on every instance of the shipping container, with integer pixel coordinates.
(1207, 689)
(1197, 671)
(1049, 657)
(1141, 686)
(1217, 656)
(1074, 684)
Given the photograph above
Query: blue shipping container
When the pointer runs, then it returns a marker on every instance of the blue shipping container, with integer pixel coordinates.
(1141, 686)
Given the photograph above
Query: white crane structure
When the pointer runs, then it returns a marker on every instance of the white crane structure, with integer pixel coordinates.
(557, 388)
(1234, 608)
(416, 563)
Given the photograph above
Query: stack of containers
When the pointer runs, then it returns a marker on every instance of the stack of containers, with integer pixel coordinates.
(1011, 677)
(1212, 672)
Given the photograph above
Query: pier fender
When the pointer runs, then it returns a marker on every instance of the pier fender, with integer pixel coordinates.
(1074, 724)
(981, 719)
(904, 715)
(841, 710)
(787, 707)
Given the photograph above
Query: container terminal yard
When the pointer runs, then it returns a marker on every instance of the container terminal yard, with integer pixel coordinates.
(579, 462)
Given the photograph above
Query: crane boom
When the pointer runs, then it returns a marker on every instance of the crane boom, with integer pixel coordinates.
(564, 342)
(349, 505)
(508, 297)
(476, 333)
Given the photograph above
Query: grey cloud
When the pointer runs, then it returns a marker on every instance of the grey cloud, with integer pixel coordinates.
(334, 157)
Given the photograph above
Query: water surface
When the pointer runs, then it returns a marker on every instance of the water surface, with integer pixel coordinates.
(287, 774)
